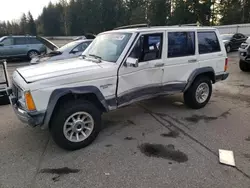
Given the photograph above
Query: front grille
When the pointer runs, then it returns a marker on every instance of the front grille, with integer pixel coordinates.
(15, 90)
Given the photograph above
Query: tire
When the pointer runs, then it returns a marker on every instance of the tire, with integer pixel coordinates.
(59, 128)
(228, 48)
(190, 95)
(245, 67)
(32, 53)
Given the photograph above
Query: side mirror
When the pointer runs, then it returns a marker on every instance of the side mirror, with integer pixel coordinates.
(1, 44)
(132, 62)
(74, 51)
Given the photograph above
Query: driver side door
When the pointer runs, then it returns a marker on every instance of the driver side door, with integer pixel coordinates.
(145, 80)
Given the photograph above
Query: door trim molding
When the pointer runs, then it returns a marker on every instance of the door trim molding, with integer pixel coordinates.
(141, 93)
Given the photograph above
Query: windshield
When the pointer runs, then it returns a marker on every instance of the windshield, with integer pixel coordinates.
(68, 47)
(108, 47)
(226, 37)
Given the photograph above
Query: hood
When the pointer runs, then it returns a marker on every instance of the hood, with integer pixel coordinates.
(59, 68)
(47, 43)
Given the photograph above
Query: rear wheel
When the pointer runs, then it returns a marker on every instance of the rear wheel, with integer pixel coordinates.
(199, 94)
(33, 53)
(245, 67)
(76, 124)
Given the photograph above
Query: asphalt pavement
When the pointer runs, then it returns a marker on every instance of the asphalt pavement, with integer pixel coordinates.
(154, 143)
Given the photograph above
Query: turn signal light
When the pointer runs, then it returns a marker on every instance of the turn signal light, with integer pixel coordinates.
(226, 65)
(29, 102)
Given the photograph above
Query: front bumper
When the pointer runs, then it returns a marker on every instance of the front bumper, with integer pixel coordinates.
(33, 119)
(221, 77)
(244, 55)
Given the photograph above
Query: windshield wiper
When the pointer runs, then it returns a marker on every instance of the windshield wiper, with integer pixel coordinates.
(96, 57)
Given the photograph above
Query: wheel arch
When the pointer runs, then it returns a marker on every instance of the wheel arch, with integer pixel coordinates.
(33, 50)
(90, 93)
(206, 71)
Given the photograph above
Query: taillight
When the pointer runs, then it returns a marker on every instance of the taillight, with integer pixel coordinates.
(226, 64)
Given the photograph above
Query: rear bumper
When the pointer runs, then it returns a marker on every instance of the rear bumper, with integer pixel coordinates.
(33, 119)
(221, 77)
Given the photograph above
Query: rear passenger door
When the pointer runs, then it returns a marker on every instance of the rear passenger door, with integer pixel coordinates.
(210, 52)
(181, 59)
(20, 47)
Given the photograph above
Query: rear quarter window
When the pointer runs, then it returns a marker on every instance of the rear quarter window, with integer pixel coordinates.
(208, 42)
(33, 41)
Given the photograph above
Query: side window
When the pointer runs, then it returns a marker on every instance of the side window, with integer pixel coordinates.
(148, 47)
(181, 44)
(8, 42)
(242, 36)
(20, 41)
(237, 36)
(82, 47)
(208, 42)
(33, 41)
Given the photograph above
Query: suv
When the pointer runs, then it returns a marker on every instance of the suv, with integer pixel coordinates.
(20, 46)
(120, 67)
(244, 53)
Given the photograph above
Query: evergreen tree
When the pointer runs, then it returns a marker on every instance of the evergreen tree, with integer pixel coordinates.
(31, 25)
(23, 24)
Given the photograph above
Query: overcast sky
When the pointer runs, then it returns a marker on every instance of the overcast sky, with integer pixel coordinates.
(13, 9)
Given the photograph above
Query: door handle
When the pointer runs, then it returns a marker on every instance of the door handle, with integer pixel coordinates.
(159, 65)
(192, 60)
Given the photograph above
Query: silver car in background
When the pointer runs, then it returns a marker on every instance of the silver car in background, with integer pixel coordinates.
(71, 50)
(20, 47)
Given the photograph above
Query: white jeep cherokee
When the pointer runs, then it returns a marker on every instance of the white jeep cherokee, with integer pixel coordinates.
(120, 67)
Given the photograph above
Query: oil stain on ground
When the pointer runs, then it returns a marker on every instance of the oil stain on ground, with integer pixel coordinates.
(108, 145)
(247, 156)
(59, 171)
(165, 152)
(198, 118)
(130, 122)
(129, 138)
(172, 134)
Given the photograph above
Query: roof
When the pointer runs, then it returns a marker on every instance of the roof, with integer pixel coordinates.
(161, 28)
(20, 36)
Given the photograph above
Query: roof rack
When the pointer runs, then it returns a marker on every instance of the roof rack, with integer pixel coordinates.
(132, 26)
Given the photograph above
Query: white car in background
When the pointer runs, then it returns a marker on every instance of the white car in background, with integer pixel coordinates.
(71, 50)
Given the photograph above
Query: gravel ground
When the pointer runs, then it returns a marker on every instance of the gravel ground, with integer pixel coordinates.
(154, 143)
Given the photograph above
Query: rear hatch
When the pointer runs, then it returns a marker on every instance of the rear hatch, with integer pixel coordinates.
(47, 43)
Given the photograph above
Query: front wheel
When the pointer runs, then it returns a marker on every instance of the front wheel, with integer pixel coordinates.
(245, 67)
(228, 48)
(76, 124)
(199, 94)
